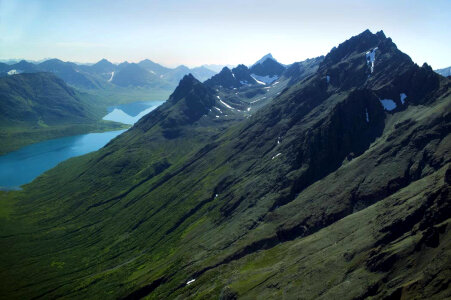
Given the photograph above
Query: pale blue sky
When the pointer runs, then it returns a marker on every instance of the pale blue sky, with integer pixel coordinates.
(196, 32)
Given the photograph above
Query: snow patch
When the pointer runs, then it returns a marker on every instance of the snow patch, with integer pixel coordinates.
(371, 57)
(403, 97)
(244, 82)
(264, 79)
(258, 100)
(112, 76)
(328, 78)
(388, 104)
(248, 109)
(13, 72)
(225, 104)
(278, 154)
(367, 116)
(217, 109)
(275, 83)
(217, 116)
(190, 281)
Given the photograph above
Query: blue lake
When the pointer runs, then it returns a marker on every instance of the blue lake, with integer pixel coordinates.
(24, 165)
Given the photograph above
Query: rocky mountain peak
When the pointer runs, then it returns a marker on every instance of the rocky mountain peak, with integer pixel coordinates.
(362, 42)
(264, 58)
(187, 85)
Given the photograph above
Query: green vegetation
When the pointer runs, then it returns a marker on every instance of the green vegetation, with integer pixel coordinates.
(40, 106)
(321, 194)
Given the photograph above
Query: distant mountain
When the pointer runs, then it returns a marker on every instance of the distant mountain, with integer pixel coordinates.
(267, 69)
(102, 66)
(154, 68)
(217, 68)
(444, 72)
(263, 59)
(131, 74)
(202, 73)
(101, 74)
(69, 72)
(40, 98)
(23, 67)
(175, 75)
(234, 78)
(4, 68)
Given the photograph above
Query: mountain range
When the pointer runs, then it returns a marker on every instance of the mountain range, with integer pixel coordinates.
(444, 72)
(126, 83)
(329, 178)
(103, 73)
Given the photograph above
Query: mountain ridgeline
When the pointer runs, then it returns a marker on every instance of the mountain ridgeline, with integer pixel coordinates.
(104, 73)
(338, 186)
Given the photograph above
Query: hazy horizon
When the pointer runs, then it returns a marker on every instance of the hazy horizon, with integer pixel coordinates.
(200, 32)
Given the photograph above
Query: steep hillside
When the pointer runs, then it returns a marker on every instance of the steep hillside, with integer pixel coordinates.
(338, 188)
(37, 106)
(34, 97)
(300, 70)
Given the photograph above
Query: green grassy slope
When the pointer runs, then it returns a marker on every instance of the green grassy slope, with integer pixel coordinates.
(355, 205)
(40, 106)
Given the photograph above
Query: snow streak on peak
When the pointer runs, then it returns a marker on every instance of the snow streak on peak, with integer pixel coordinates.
(370, 58)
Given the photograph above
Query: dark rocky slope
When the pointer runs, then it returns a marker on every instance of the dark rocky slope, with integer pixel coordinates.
(321, 194)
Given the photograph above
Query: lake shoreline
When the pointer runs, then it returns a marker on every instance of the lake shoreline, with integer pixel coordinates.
(16, 138)
(24, 164)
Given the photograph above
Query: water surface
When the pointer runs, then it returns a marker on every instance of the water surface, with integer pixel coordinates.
(22, 166)
(131, 113)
